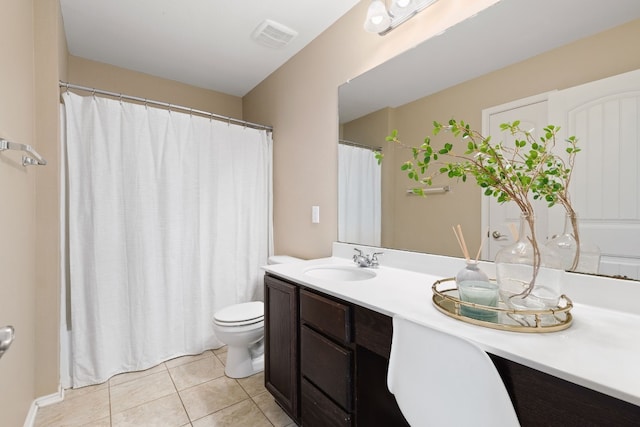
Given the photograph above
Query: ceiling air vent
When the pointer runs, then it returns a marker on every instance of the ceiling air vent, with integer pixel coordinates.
(272, 34)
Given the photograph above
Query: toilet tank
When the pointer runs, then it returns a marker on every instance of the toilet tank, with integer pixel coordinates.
(282, 259)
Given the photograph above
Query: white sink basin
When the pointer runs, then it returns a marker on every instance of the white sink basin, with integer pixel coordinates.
(340, 273)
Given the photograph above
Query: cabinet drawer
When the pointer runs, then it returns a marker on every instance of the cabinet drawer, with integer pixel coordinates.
(326, 315)
(328, 366)
(318, 410)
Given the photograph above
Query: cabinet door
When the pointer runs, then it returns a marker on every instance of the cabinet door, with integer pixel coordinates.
(281, 370)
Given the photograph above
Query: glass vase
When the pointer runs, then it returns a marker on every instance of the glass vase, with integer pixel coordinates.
(574, 253)
(528, 273)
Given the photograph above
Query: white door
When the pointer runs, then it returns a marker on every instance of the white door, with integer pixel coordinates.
(604, 115)
(532, 114)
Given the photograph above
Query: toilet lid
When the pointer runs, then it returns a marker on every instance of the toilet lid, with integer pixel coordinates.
(245, 313)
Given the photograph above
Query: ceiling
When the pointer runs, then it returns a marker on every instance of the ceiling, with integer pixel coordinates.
(205, 43)
(503, 34)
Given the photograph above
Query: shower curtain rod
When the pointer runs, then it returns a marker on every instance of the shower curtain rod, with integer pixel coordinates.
(146, 101)
(358, 144)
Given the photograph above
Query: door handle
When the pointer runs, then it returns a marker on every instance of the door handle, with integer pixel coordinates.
(496, 235)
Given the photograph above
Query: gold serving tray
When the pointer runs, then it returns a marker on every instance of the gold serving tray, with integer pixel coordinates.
(446, 299)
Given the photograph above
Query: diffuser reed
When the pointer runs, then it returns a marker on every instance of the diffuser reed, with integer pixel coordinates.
(463, 245)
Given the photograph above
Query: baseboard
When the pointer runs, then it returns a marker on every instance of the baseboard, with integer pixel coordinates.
(41, 402)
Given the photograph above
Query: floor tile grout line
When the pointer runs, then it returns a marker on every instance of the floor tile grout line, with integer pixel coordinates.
(146, 402)
(180, 397)
(189, 362)
(248, 387)
(261, 411)
(199, 384)
(221, 409)
(135, 372)
(233, 404)
(110, 409)
(254, 401)
(161, 363)
(249, 398)
(230, 405)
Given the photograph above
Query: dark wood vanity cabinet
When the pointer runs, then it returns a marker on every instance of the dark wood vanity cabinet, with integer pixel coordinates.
(342, 355)
(326, 364)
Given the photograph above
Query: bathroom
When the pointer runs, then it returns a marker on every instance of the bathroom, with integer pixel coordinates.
(298, 100)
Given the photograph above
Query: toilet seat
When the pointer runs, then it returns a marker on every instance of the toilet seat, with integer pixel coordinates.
(243, 314)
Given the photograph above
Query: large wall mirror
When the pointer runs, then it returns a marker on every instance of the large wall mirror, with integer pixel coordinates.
(514, 50)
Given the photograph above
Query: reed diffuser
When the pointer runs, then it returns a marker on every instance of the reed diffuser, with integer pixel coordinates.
(474, 285)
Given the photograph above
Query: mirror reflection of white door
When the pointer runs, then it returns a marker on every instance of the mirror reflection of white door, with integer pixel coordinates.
(605, 190)
(532, 114)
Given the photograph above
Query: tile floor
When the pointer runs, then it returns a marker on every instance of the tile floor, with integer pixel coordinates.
(186, 391)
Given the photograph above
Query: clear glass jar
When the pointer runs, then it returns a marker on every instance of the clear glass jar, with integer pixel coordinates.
(575, 254)
(482, 293)
(472, 273)
(474, 286)
(528, 273)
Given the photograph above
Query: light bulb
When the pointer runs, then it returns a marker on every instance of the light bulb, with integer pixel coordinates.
(401, 7)
(378, 18)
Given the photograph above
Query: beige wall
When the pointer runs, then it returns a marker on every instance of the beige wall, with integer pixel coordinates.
(50, 53)
(98, 75)
(29, 214)
(300, 100)
(17, 216)
(568, 66)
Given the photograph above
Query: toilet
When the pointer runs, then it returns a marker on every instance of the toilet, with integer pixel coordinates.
(241, 328)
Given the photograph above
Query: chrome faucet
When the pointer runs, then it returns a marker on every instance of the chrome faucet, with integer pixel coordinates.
(366, 260)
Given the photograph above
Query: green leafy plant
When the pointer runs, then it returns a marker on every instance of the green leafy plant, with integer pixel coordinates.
(554, 188)
(510, 173)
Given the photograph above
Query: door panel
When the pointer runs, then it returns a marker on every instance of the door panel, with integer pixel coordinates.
(532, 113)
(605, 187)
(605, 117)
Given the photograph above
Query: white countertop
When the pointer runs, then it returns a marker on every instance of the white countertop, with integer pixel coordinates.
(600, 350)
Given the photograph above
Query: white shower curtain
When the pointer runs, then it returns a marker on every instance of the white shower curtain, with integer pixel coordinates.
(359, 196)
(169, 220)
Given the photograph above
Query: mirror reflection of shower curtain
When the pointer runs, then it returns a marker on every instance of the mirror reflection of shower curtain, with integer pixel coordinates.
(169, 220)
(359, 196)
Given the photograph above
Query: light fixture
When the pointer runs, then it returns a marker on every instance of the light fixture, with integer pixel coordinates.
(380, 20)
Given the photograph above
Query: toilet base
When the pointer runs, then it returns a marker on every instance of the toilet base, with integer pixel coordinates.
(240, 364)
(258, 364)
